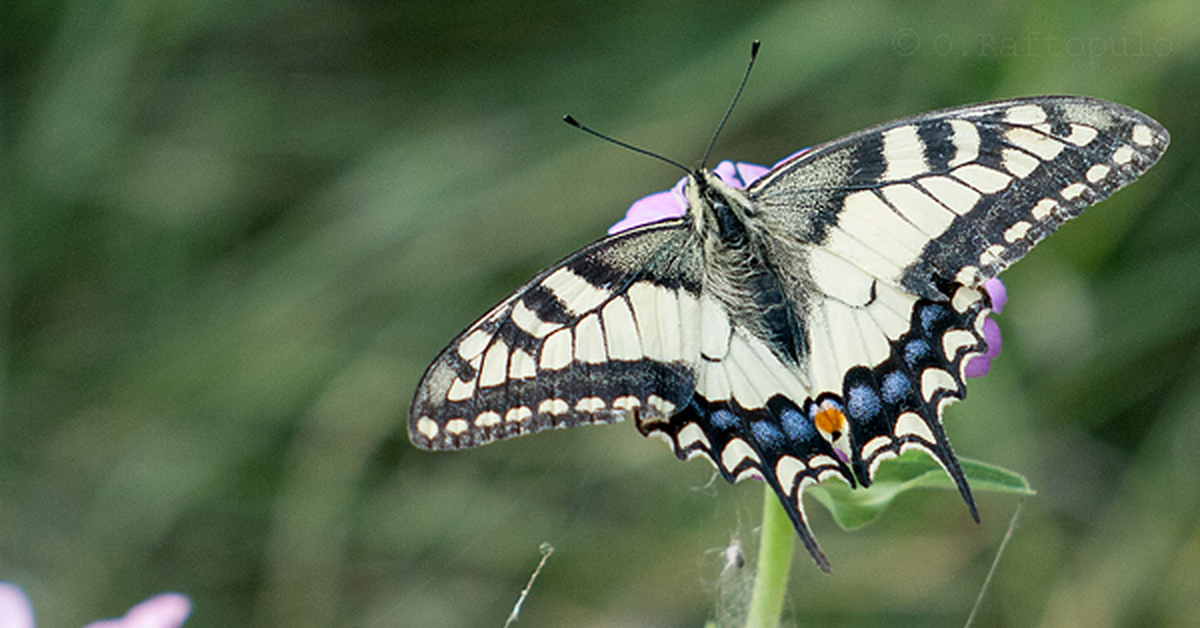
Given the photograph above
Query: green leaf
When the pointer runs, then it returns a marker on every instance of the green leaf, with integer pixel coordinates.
(913, 470)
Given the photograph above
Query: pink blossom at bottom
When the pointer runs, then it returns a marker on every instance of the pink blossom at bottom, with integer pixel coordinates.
(15, 609)
(166, 610)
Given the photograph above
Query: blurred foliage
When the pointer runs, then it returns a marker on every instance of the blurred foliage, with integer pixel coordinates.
(237, 232)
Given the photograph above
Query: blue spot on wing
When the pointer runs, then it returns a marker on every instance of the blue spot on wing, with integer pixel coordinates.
(916, 351)
(767, 434)
(724, 419)
(931, 317)
(863, 402)
(896, 387)
(796, 425)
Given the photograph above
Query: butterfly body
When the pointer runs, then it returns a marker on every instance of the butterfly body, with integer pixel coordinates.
(806, 326)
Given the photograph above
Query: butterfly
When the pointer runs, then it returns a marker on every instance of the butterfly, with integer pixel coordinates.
(806, 326)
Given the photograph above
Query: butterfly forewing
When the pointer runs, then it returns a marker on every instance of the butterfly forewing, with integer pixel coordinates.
(814, 332)
(607, 333)
(958, 194)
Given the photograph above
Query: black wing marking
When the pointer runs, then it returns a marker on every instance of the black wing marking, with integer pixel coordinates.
(608, 332)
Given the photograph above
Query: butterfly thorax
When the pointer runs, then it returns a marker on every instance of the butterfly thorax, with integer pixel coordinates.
(738, 270)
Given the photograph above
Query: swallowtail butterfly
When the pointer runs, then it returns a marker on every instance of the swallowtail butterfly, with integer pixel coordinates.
(803, 328)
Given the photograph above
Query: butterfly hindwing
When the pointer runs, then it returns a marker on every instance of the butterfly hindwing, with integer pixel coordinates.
(743, 418)
(897, 405)
(775, 443)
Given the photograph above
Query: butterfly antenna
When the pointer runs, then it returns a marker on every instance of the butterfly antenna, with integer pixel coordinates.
(745, 77)
(577, 124)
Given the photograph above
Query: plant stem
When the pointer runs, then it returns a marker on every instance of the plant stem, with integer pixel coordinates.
(774, 561)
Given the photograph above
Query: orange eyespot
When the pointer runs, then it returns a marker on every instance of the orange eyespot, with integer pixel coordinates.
(830, 420)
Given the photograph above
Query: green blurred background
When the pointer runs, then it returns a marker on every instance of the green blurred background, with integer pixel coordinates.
(237, 232)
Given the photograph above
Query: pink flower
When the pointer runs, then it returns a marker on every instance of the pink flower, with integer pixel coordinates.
(166, 610)
(15, 609)
(673, 204)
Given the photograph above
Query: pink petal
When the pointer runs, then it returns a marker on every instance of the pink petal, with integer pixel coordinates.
(16, 611)
(739, 175)
(166, 610)
(981, 364)
(997, 293)
(654, 208)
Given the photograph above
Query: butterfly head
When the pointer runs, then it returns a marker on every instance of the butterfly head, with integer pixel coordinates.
(718, 210)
